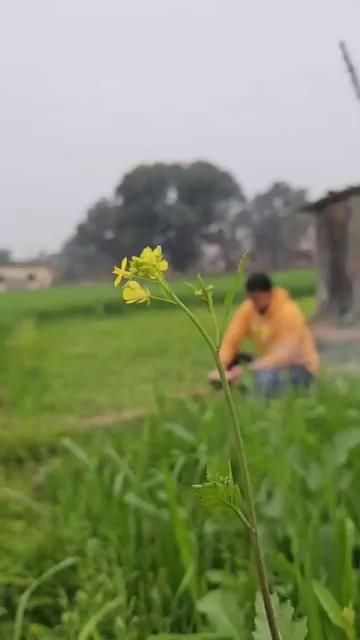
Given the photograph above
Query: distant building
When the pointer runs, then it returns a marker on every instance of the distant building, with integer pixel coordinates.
(303, 254)
(212, 259)
(337, 225)
(307, 242)
(23, 276)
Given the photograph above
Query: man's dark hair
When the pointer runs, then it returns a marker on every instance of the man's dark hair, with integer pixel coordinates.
(258, 282)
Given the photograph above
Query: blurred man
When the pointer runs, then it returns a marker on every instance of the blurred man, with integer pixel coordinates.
(285, 350)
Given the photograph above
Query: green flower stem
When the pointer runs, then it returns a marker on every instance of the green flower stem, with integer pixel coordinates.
(241, 517)
(162, 299)
(216, 324)
(189, 313)
(259, 560)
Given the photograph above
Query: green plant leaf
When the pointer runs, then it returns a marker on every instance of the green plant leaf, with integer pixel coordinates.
(224, 613)
(184, 541)
(328, 603)
(222, 492)
(348, 618)
(146, 507)
(191, 286)
(91, 625)
(191, 636)
(180, 431)
(76, 451)
(205, 292)
(289, 627)
(231, 292)
(219, 578)
(25, 597)
(341, 618)
(344, 443)
(344, 581)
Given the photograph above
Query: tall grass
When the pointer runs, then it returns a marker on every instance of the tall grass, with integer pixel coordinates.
(149, 559)
(101, 536)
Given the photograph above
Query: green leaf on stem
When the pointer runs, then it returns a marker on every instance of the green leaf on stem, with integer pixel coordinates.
(221, 492)
(205, 292)
(289, 627)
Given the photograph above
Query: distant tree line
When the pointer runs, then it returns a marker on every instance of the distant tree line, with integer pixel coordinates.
(194, 211)
(5, 257)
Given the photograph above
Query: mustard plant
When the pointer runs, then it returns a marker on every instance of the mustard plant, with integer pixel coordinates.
(140, 275)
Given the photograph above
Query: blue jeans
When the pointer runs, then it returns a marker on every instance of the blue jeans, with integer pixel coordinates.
(272, 382)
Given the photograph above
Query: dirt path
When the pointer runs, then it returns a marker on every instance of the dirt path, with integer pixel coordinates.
(132, 415)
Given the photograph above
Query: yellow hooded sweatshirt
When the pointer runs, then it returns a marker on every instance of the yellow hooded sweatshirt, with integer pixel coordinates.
(281, 336)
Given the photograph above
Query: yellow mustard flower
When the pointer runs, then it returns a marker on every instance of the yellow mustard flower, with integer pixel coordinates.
(150, 263)
(155, 257)
(120, 272)
(134, 293)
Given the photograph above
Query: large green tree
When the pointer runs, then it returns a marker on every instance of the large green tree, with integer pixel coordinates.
(175, 206)
(5, 257)
(182, 207)
(179, 206)
(94, 247)
(275, 223)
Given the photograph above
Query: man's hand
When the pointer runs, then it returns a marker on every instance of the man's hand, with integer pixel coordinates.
(257, 365)
(214, 376)
(232, 375)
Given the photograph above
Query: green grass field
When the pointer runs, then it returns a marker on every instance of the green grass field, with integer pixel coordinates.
(82, 352)
(101, 534)
(102, 300)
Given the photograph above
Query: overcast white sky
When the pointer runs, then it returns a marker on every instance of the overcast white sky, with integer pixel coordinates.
(89, 88)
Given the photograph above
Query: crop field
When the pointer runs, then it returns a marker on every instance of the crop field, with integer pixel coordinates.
(81, 352)
(102, 536)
